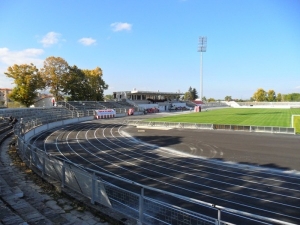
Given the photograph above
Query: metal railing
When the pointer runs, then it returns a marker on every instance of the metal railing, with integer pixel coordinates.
(145, 204)
(266, 129)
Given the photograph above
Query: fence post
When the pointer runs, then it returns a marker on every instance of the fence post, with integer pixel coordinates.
(63, 173)
(141, 207)
(219, 216)
(93, 188)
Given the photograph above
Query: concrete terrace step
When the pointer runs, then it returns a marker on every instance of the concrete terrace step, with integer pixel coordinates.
(23, 202)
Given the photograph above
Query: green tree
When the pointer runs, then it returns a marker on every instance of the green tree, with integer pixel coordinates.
(204, 99)
(211, 100)
(95, 84)
(194, 93)
(228, 98)
(55, 74)
(109, 97)
(188, 96)
(260, 95)
(271, 96)
(279, 97)
(293, 97)
(28, 81)
(76, 86)
(85, 85)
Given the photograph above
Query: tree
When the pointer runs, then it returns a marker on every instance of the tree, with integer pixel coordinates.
(293, 97)
(279, 97)
(76, 86)
(188, 96)
(228, 98)
(28, 81)
(55, 75)
(271, 96)
(95, 84)
(85, 85)
(211, 100)
(194, 93)
(260, 95)
(109, 97)
(204, 99)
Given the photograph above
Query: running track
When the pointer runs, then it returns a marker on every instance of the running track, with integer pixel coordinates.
(265, 181)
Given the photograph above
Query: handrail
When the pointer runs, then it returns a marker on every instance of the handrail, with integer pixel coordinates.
(195, 201)
(250, 128)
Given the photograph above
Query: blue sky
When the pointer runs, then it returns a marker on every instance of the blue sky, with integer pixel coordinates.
(152, 45)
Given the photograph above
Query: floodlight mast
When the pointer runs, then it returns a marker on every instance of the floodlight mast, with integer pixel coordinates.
(202, 48)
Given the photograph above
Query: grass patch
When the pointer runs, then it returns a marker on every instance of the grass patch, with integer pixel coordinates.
(296, 124)
(237, 116)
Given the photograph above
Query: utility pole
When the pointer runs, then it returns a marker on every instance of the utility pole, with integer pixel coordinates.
(202, 48)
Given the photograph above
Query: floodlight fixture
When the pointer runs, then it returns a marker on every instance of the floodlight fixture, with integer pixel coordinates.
(202, 48)
(202, 44)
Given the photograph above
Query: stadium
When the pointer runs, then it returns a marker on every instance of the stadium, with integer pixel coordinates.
(160, 166)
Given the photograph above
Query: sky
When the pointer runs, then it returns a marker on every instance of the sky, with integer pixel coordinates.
(152, 45)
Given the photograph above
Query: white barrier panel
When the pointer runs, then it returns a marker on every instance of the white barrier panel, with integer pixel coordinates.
(48, 126)
(105, 113)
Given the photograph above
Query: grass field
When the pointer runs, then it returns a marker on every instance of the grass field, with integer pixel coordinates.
(237, 116)
(297, 124)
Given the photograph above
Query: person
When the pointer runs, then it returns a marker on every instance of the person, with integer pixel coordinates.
(53, 102)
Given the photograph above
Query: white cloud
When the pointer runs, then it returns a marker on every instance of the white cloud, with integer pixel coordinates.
(50, 38)
(25, 56)
(121, 26)
(298, 87)
(9, 58)
(87, 41)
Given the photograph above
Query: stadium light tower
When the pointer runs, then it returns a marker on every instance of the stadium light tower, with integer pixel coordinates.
(202, 48)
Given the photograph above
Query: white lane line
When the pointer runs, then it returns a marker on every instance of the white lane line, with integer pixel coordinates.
(188, 162)
(182, 172)
(200, 193)
(214, 162)
(184, 188)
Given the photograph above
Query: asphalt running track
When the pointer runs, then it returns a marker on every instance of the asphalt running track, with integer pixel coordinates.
(253, 172)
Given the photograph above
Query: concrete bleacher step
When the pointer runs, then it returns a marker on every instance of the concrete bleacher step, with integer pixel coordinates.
(8, 217)
(9, 194)
(25, 210)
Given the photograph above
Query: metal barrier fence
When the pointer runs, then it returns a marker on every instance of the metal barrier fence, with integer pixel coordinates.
(145, 204)
(284, 130)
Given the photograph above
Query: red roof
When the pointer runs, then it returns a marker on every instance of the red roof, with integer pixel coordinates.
(197, 102)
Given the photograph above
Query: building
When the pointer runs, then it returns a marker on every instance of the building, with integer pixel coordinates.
(136, 95)
(163, 101)
(4, 93)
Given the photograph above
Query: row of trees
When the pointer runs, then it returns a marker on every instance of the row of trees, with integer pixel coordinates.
(293, 97)
(260, 96)
(57, 77)
(270, 96)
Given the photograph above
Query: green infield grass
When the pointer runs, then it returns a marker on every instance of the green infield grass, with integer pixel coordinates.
(296, 124)
(237, 116)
